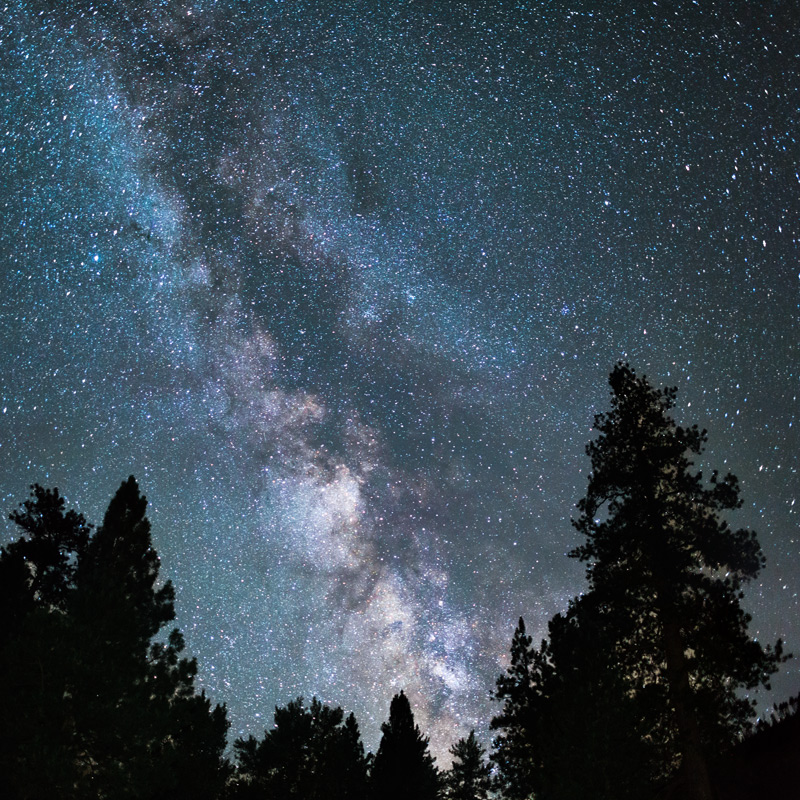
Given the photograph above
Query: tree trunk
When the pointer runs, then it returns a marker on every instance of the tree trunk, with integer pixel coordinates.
(693, 763)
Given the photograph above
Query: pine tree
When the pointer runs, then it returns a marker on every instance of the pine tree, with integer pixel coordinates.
(38, 750)
(311, 753)
(404, 769)
(568, 729)
(516, 750)
(353, 764)
(668, 572)
(469, 776)
(135, 696)
(117, 610)
(120, 569)
(639, 681)
(48, 552)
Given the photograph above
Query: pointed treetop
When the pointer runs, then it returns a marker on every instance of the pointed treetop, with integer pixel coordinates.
(127, 506)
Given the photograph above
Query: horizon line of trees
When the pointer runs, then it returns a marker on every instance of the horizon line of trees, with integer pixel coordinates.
(635, 692)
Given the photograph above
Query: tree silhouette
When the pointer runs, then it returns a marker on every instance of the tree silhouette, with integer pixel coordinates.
(95, 707)
(669, 572)
(54, 540)
(120, 567)
(469, 776)
(568, 729)
(311, 753)
(656, 652)
(38, 748)
(517, 749)
(404, 767)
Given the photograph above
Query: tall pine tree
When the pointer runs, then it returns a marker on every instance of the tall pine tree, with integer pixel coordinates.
(669, 571)
(646, 668)
(517, 749)
(149, 733)
(404, 768)
(469, 776)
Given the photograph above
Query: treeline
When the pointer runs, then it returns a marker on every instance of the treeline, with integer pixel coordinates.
(95, 707)
(636, 692)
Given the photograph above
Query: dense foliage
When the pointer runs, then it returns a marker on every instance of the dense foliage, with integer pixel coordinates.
(94, 707)
(312, 753)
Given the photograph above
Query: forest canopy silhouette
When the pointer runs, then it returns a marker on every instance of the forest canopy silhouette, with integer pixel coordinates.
(639, 689)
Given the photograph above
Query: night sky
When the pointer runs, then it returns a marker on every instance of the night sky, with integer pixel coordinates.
(341, 284)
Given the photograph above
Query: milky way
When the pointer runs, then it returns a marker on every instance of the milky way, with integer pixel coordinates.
(341, 285)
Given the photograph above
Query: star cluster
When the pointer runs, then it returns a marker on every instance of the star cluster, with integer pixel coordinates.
(341, 285)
